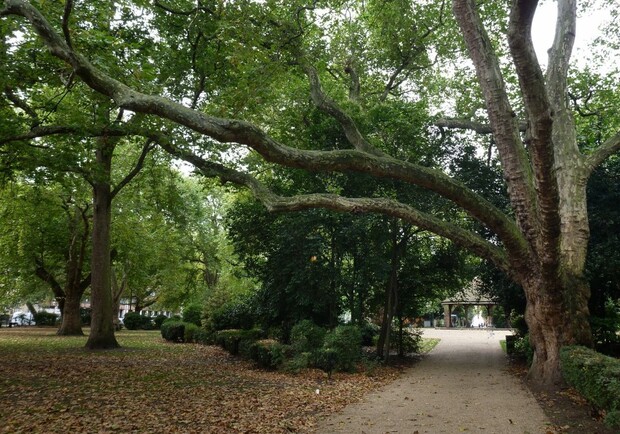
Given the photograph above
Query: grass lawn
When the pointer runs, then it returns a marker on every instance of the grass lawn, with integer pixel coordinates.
(51, 384)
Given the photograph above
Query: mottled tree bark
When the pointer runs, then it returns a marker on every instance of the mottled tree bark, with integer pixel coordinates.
(102, 328)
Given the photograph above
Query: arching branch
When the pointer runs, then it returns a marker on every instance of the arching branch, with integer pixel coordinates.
(364, 159)
(390, 207)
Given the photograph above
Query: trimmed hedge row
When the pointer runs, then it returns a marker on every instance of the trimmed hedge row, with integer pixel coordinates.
(184, 332)
(237, 341)
(596, 377)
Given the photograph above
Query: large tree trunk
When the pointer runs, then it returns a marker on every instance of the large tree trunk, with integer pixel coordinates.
(102, 328)
(557, 315)
(71, 320)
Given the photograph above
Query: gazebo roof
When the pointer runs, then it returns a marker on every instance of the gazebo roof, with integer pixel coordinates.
(470, 295)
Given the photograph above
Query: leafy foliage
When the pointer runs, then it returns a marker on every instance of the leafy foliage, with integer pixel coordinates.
(192, 314)
(307, 337)
(268, 353)
(43, 318)
(173, 331)
(595, 376)
(344, 344)
(135, 321)
(235, 340)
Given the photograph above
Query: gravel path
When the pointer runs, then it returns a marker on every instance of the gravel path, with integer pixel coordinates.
(461, 387)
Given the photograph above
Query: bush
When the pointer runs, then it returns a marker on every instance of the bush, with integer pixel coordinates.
(173, 331)
(346, 342)
(237, 314)
(307, 337)
(159, 320)
(596, 377)
(86, 314)
(43, 318)
(267, 353)
(203, 336)
(328, 360)
(300, 361)
(411, 340)
(190, 332)
(370, 332)
(523, 349)
(192, 314)
(135, 321)
(233, 340)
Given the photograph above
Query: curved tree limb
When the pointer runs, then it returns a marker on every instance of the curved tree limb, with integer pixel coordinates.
(237, 131)
(329, 106)
(608, 148)
(148, 147)
(274, 202)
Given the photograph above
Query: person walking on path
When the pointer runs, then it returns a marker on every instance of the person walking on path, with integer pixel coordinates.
(462, 386)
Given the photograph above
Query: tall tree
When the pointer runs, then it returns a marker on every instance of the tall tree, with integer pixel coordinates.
(541, 243)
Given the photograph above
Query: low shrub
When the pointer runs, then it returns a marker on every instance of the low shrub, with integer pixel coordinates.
(173, 331)
(346, 342)
(523, 349)
(203, 336)
(135, 321)
(369, 332)
(189, 334)
(267, 353)
(159, 320)
(408, 342)
(43, 318)
(327, 360)
(234, 339)
(299, 362)
(86, 314)
(192, 314)
(307, 337)
(596, 377)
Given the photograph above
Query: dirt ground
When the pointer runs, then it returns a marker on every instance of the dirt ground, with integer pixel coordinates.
(464, 385)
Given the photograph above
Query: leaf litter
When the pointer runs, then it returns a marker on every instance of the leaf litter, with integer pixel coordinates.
(50, 384)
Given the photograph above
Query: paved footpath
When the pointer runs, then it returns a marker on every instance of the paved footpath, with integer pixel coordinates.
(462, 386)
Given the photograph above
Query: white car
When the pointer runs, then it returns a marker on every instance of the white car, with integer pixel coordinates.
(22, 318)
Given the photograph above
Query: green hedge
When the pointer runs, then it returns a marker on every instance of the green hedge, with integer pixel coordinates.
(268, 353)
(346, 343)
(173, 331)
(43, 318)
(237, 341)
(135, 321)
(307, 337)
(596, 377)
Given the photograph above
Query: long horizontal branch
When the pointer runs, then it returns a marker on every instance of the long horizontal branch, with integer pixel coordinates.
(237, 131)
(600, 154)
(274, 202)
(466, 124)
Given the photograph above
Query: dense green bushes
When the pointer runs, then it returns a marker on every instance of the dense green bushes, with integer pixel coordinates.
(135, 321)
(311, 346)
(173, 331)
(268, 353)
(596, 377)
(307, 337)
(43, 318)
(346, 343)
(235, 340)
(192, 314)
